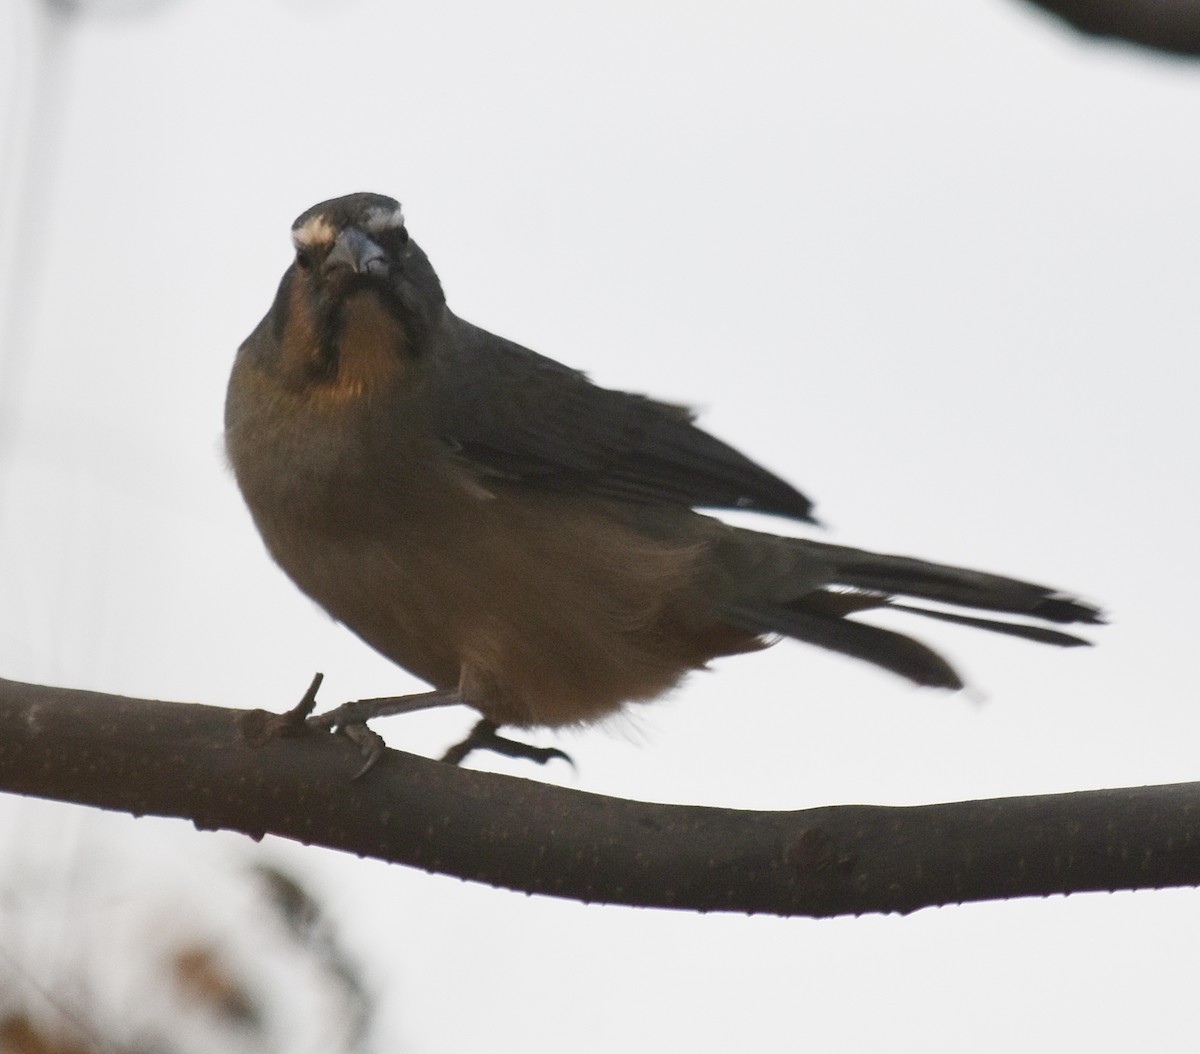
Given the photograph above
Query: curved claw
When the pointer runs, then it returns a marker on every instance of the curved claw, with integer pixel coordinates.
(369, 743)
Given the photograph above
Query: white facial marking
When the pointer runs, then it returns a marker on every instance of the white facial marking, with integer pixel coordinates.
(314, 232)
(378, 220)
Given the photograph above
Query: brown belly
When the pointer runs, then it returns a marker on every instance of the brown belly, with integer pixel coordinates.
(542, 610)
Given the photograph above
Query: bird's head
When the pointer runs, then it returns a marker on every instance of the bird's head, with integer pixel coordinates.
(350, 242)
(360, 303)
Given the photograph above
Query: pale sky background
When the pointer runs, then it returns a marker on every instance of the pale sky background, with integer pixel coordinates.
(935, 262)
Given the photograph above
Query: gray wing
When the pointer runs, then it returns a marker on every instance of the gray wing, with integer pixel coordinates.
(521, 415)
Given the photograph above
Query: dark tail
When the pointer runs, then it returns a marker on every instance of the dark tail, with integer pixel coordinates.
(833, 582)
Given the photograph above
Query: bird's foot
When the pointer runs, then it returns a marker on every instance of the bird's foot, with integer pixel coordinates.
(350, 719)
(485, 736)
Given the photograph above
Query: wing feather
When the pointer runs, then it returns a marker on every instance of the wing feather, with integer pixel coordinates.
(519, 414)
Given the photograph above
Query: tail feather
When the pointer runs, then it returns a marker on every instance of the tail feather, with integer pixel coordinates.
(882, 647)
(1012, 629)
(832, 583)
(957, 585)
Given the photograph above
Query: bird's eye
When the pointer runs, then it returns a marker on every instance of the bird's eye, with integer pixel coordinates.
(303, 259)
(394, 239)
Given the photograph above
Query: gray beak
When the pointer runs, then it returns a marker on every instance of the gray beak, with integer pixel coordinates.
(353, 251)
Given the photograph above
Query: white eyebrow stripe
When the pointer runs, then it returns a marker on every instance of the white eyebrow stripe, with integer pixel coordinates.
(316, 231)
(381, 219)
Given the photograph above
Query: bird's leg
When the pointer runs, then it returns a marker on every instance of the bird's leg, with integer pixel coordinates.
(351, 718)
(485, 736)
(360, 711)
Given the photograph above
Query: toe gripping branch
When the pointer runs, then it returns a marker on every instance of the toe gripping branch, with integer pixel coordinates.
(351, 719)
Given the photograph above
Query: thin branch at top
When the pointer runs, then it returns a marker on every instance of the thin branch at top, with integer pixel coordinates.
(1172, 26)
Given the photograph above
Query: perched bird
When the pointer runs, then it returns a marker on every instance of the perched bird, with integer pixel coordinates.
(517, 536)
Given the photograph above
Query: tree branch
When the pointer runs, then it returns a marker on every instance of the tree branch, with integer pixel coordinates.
(1164, 25)
(250, 771)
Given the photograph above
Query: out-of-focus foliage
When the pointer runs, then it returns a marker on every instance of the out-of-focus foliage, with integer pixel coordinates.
(103, 951)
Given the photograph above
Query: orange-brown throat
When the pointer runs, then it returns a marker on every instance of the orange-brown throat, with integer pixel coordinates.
(360, 349)
(372, 349)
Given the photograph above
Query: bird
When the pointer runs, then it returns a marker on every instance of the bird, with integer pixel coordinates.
(528, 542)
